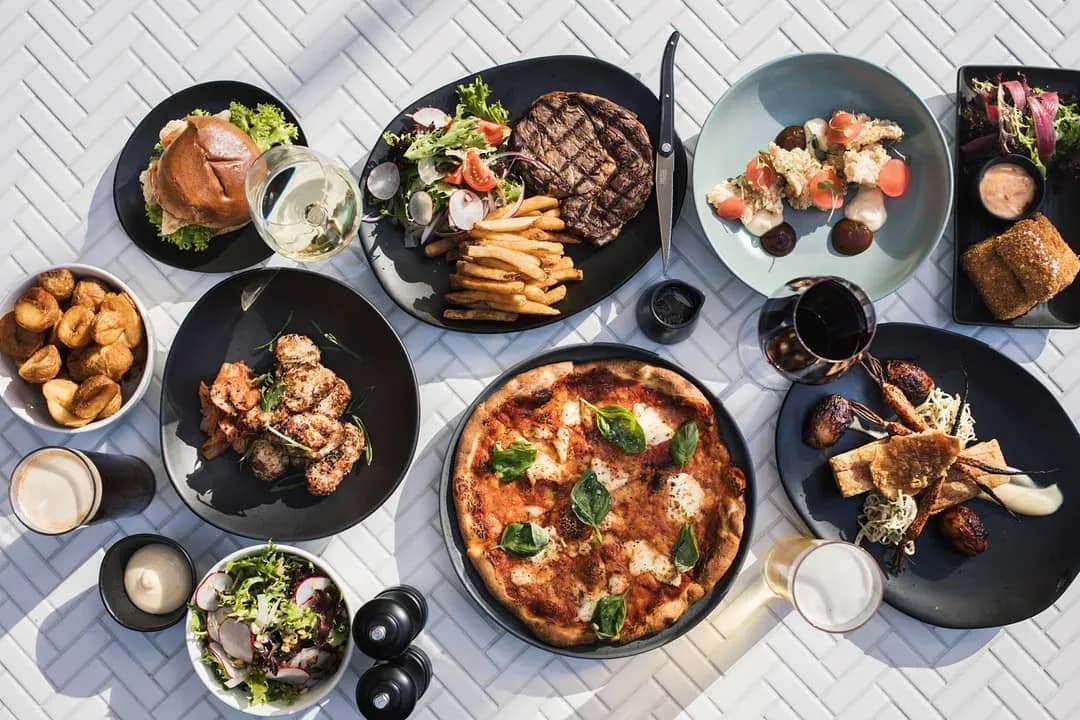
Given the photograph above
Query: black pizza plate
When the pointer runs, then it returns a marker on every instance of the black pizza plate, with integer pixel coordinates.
(474, 584)
(1030, 560)
(222, 491)
(417, 283)
(973, 224)
(227, 253)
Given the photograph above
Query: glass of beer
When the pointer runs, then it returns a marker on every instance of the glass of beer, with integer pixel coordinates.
(54, 490)
(835, 585)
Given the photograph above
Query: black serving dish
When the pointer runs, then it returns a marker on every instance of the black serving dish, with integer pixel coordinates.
(233, 251)
(474, 584)
(655, 311)
(1030, 561)
(1032, 170)
(417, 283)
(115, 597)
(369, 356)
(972, 223)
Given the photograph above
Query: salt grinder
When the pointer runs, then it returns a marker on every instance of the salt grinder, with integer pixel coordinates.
(390, 690)
(386, 624)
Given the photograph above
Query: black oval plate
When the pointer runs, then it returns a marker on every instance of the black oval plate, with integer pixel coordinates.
(222, 491)
(233, 251)
(417, 283)
(1030, 560)
(474, 584)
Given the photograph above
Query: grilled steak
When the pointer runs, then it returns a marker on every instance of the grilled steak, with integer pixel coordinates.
(600, 157)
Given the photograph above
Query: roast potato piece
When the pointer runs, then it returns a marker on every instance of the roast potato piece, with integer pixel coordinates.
(37, 310)
(59, 396)
(93, 396)
(58, 283)
(964, 530)
(76, 326)
(42, 366)
(17, 341)
(113, 407)
(89, 292)
(110, 360)
(117, 321)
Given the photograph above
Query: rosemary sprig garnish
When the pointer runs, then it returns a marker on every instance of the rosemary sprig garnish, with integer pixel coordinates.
(369, 449)
(288, 441)
(335, 343)
(269, 344)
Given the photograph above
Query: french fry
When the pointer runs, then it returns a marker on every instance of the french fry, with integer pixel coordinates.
(510, 224)
(537, 234)
(556, 262)
(535, 294)
(522, 262)
(563, 238)
(476, 314)
(553, 212)
(537, 202)
(499, 212)
(534, 213)
(553, 295)
(545, 222)
(533, 247)
(494, 264)
(525, 307)
(440, 246)
(473, 298)
(503, 287)
(487, 273)
(563, 274)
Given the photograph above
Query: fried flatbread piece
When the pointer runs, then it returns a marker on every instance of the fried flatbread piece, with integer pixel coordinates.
(907, 463)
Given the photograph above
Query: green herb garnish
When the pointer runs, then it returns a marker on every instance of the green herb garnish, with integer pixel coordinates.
(511, 463)
(288, 441)
(590, 501)
(685, 552)
(524, 539)
(369, 449)
(609, 616)
(684, 443)
(271, 390)
(473, 100)
(268, 346)
(619, 427)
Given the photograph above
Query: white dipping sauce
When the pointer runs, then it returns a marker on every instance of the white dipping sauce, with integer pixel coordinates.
(763, 221)
(867, 207)
(157, 579)
(1024, 497)
(837, 587)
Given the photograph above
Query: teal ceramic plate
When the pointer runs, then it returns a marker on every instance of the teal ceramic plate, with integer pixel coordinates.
(790, 91)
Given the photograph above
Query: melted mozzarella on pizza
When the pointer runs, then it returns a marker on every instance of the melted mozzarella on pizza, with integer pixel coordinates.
(543, 468)
(645, 559)
(571, 413)
(610, 477)
(562, 443)
(685, 497)
(656, 430)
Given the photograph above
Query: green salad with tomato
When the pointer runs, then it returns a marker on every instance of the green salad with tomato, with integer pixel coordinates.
(446, 171)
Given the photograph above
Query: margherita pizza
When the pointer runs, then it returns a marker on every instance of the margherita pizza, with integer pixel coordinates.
(597, 500)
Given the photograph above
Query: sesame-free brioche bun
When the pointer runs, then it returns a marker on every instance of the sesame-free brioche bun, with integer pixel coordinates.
(200, 176)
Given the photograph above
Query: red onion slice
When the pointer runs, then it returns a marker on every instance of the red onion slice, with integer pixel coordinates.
(1043, 120)
(466, 209)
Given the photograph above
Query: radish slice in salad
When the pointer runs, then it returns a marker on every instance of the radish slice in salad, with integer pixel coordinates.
(466, 209)
(421, 207)
(430, 117)
(234, 676)
(427, 171)
(305, 591)
(206, 595)
(310, 657)
(213, 623)
(383, 180)
(237, 640)
(291, 675)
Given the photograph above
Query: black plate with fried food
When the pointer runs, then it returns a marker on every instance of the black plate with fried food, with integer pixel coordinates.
(418, 284)
(286, 488)
(1029, 561)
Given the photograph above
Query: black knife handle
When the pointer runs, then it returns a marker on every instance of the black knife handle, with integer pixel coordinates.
(667, 97)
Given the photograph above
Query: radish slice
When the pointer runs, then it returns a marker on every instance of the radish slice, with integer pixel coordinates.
(427, 171)
(291, 675)
(466, 209)
(310, 657)
(213, 623)
(305, 591)
(383, 180)
(206, 595)
(421, 207)
(430, 117)
(237, 640)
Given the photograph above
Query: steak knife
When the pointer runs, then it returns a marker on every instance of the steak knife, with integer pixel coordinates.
(665, 152)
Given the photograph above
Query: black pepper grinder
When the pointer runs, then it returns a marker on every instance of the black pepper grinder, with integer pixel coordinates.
(390, 690)
(385, 626)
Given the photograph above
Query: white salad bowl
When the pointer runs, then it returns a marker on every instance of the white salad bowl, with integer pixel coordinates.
(25, 399)
(236, 698)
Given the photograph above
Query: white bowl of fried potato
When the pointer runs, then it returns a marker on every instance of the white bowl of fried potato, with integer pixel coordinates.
(76, 350)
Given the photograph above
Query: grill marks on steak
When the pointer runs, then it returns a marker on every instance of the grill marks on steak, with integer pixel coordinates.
(601, 157)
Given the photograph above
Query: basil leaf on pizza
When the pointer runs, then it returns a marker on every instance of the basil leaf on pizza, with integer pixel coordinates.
(684, 443)
(609, 616)
(619, 427)
(511, 463)
(590, 501)
(685, 554)
(524, 539)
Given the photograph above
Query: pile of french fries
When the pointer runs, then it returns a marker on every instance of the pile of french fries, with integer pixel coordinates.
(509, 265)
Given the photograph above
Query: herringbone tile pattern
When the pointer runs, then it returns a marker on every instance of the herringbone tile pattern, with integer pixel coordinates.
(76, 77)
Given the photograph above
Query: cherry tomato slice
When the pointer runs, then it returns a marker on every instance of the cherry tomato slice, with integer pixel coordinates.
(477, 175)
(731, 208)
(894, 177)
(844, 127)
(454, 176)
(759, 172)
(827, 190)
(494, 132)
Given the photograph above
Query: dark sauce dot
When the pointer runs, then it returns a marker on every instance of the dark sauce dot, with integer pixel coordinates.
(850, 237)
(779, 241)
(793, 137)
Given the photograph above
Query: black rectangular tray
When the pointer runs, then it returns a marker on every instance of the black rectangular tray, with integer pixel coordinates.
(972, 223)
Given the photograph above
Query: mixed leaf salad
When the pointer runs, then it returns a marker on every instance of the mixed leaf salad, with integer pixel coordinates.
(1010, 116)
(446, 172)
(265, 125)
(272, 623)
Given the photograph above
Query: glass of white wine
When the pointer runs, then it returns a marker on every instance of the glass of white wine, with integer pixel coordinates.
(305, 206)
(835, 585)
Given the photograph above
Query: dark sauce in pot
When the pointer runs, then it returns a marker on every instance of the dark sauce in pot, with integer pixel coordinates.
(673, 306)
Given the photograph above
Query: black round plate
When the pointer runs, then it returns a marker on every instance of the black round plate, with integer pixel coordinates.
(474, 584)
(1030, 561)
(233, 251)
(417, 283)
(222, 491)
